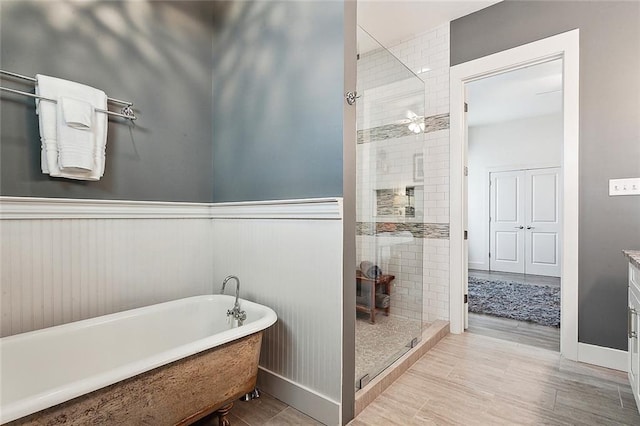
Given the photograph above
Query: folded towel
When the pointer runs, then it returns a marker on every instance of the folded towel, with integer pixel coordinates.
(363, 300)
(370, 270)
(55, 88)
(383, 300)
(47, 118)
(77, 114)
(76, 141)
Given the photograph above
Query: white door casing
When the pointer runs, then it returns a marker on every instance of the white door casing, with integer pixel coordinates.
(524, 221)
(567, 47)
(465, 221)
(543, 224)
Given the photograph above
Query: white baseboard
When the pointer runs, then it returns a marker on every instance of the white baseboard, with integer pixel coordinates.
(300, 397)
(482, 266)
(602, 356)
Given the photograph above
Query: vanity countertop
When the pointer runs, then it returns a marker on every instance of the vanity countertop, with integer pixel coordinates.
(634, 257)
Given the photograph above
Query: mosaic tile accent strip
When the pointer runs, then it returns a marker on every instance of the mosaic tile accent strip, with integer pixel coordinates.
(418, 230)
(436, 122)
(381, 133)
(384, 205)
(392, 131)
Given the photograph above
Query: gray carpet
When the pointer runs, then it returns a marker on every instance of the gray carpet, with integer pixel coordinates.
(523, 302)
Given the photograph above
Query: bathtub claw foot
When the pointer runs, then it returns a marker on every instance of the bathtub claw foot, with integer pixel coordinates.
(222, 413)
(251, 395)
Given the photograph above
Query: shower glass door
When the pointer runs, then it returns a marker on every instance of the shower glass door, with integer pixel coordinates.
(390, 208)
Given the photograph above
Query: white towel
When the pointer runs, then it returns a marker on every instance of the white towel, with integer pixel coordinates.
(77, 114)
(56, 88)
(76, 140)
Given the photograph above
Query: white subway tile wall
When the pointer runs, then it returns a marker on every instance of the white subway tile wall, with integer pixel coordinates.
(387, 93)
(436, 280)
(405, 262)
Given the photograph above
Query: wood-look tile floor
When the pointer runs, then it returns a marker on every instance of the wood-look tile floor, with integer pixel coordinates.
(264, 411)
(470, 379)
(515, 331)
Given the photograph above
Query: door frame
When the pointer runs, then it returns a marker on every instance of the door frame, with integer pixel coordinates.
(565, 46)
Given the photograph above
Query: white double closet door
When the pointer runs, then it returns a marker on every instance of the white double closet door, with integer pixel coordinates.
(525, 221)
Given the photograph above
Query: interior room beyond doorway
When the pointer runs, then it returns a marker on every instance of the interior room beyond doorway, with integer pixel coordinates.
(515, 141)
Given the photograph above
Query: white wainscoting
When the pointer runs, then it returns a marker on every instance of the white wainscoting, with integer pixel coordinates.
(295, 267)
(66, 260)
(54, 271)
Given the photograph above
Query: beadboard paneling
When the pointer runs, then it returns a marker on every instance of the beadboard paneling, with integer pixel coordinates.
(54, 271)
(294, 267)
(67, 260)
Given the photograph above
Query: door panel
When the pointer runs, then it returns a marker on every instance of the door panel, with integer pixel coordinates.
(544, 248)
(507, 246)
(544, 196)
(542, 219)
(507, 198)
(506, 222)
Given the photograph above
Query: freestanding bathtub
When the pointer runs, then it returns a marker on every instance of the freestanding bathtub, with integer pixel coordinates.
(170, 363)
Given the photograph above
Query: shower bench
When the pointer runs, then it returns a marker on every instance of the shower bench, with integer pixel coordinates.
(383, 281)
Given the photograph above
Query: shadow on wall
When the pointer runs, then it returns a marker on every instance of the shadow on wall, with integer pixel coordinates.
(156, 54)
(277, 108)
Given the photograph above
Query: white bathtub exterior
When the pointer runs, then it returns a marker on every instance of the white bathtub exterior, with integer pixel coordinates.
(42, 368)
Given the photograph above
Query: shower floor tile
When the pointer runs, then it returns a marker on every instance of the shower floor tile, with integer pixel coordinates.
(379, 344)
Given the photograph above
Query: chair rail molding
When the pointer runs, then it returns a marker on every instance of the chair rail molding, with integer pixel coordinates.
(21, 208)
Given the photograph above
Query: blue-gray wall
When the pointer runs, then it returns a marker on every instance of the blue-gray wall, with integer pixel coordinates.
(156, 54)
(609, 135)
(278, 77)
(273, 126)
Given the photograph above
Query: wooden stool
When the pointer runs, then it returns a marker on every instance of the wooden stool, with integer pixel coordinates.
(385, 282)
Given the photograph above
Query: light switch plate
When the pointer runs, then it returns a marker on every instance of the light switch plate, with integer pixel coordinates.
(624, 186)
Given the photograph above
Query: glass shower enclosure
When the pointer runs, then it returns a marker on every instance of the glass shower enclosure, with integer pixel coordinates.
(389, 208)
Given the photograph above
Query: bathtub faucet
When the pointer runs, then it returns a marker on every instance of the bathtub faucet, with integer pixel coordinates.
(236, 313)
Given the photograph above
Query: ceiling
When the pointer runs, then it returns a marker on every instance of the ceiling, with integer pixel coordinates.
(391, 21)
(527, 92)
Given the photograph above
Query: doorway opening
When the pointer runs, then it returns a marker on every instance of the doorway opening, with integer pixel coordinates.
(564, 49)
(514, 179)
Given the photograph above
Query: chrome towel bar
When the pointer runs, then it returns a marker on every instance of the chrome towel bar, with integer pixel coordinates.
(125, 112)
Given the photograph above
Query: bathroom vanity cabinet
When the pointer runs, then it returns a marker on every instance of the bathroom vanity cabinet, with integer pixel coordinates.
(633, 322)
